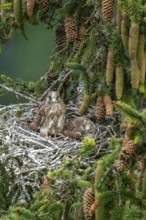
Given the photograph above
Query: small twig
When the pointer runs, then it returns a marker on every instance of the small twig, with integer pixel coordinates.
(18, 93)
(64, 80)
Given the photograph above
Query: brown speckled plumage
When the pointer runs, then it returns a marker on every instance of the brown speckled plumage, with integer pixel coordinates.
(79, 128)
(54, 115)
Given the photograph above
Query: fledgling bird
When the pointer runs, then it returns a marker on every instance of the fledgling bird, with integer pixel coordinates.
(79, 128)
(53, 118)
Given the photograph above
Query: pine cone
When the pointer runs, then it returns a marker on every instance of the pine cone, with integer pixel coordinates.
(107, 9)
(45, 2)
(133, 40)
(85, 104)
(82, 32)
(108, 106)
(124, 33)
(46, 183)
(135, 74)
(60, 37)
(110, 66)
(79, 214)
(141, 57)
(88, 200)
(100, 110)
(70, 28)
(118, 16)
(127, 153)
(119, 84)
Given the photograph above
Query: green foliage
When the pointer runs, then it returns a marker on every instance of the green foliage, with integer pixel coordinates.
(118, 48)
(82, 183)
(132, 212)
(83, 77)
(7, 80)
(88, 144)
(117, 213)
(118, 194)
(6, 6)
(128, 110)
(135, 10)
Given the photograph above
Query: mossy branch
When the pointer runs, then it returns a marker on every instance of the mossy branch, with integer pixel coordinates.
(83, 76)
(128, 110)
(76, 66)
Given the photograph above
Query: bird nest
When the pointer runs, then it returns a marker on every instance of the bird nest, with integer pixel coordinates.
(26, 156)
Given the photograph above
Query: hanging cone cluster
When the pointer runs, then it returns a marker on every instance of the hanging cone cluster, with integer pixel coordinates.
(60, 37)
(107, 9)
(128, 151)
(70, 28)
(88, 200)
(108, 106)
(133, 39)
(110, 67)
(100, 110)
(30, 6)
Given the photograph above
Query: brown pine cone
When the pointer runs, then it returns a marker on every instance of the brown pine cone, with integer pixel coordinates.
(82, 32)
(108, 106)
(127, 153)
(70, 28)
(100, 110)
(88, 200)
(107, 9)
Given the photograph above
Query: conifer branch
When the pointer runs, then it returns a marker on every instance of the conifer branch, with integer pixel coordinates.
(18, 93)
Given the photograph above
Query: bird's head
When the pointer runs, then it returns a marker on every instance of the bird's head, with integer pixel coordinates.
(53, 97)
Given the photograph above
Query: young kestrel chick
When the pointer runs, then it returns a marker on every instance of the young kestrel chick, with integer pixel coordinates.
(54, 115)
(79, 128)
